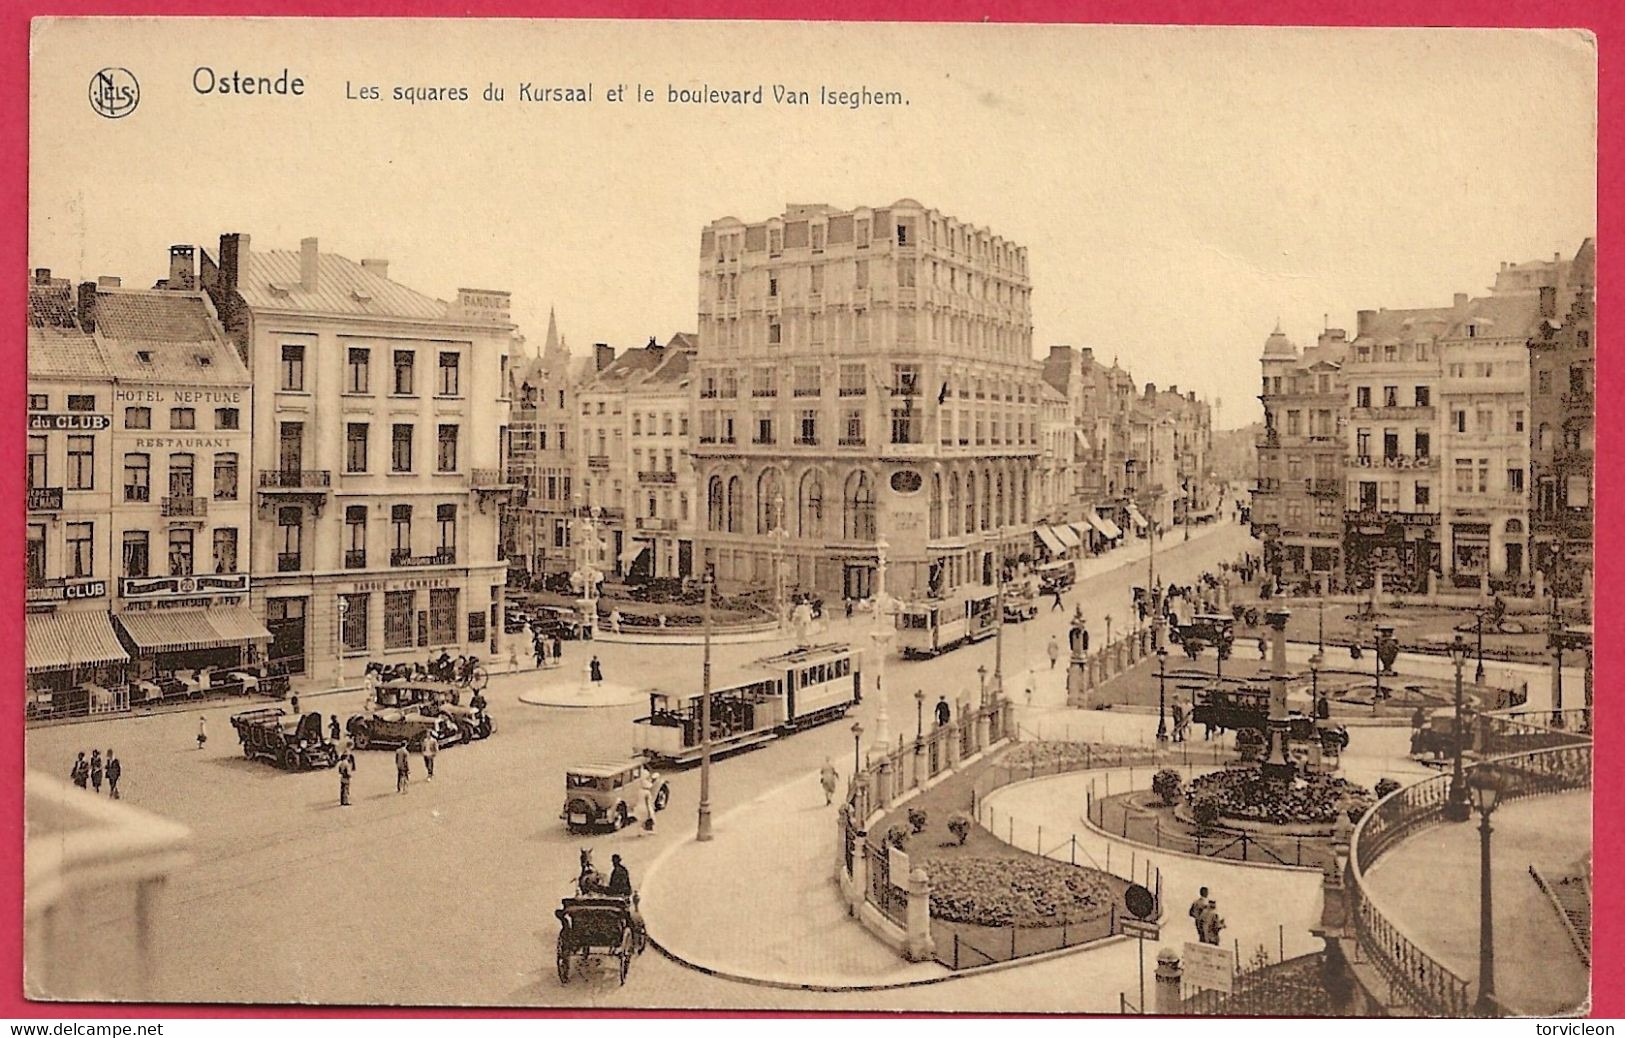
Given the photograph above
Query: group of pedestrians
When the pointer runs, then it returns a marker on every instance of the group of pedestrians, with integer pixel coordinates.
(1205, 914)
(545, 649)
(88, 774)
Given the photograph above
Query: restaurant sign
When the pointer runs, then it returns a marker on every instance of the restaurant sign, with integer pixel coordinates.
(76, 422)
(68, 591)
(203, 584)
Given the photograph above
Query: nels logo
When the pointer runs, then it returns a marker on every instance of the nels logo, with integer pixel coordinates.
(114, 93)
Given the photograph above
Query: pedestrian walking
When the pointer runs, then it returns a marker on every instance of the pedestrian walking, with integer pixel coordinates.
(595, 670)
(1199, 910)
(403, 768)
(558, 649)
(202, 731)
(115, 771)
(944, 712)
(615, 621)
(345, 771)
(431, 748)
(538, 648)
(334, 732)
(80, 774)
(826, 778)
(648, 802)
(1054, 651)
(293, 704)
(96, 770)
(1055, 593)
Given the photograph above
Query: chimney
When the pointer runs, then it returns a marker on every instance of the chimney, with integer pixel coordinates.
(1461, 300)
(108, 281)
(1503, 266)
(87, 306)
(233, 254)
(652, 344)
(1362, 323)
(379, 267)
(182, 269)
(308, 257)
(1150, 390)
(1548, 300)
(603, 355)
(1088, 355)
(1173, 390)
(42, 275)
(1191, 396)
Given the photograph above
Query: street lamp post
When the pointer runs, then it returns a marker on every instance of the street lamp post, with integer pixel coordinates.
(857, 749)
(981, 683)
(1478, 672)
(998, 624)
(881, 636)
(703, 832)
(1457, 808)
(338, 643)
(919, 719)
(1316, 661)
(1162, 694)
(1486, 792)
(1555, 637)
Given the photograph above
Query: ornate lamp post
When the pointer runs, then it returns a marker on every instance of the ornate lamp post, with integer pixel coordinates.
(703, 832)
(1162, 694)
(779, 535)
(981, 680)
(1277, 761)
(1322, 711)
(1555, 639)
(338, 643)
(1486, 792)
(1478, 672)
(881, 635)
(919, 720)
(857, 749)
(1457, 808)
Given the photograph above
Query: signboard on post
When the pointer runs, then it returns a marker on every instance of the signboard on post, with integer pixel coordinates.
(1209, 966)
(1140, 928)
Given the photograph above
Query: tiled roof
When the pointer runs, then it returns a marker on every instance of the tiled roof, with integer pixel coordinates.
(157, 335)
(51, 306)
(684, 341)
(1498, 317)
(55, 352)
(270, 280)
(1407, 325)
(643, 366)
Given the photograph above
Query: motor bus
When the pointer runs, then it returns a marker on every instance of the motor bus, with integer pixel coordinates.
(773, 697)
(937, 625)
(1020, 600)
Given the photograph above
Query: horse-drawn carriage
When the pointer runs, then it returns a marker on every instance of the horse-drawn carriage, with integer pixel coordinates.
(1205, 629)
(598, 925)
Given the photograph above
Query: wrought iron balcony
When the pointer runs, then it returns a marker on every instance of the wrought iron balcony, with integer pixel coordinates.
(598, 461)
(355, 558)
(295, 480)
(657, 476)
(288, 562)
(174, 507)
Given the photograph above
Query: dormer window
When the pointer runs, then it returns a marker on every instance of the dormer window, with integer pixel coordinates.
(143, 356)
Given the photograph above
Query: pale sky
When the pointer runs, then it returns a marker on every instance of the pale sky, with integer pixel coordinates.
(1178, 189)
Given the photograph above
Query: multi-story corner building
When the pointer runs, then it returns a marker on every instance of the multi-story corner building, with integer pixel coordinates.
(637, 474)
(379, 416)
(68, 557)
(863, 375)
(1484, 401)
(183, 506)
(1086, 388)
(1395, 496)
(1562, 427)
(1297, 508)
(1055, 499)
(543, 460)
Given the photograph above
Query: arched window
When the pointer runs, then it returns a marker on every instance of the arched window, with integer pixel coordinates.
(970, 503)
(1514, 526)
(987, 500)
(859, 522)
(1026, 498)
(953, 504)
(811, 505)
(736, 504)
(713, 504)
(1000, 516)
(1543, 438)
(935, 505)
(769, 502)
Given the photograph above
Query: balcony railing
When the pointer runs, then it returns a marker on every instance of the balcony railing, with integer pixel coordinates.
(490, 479)
(806, 441)
(355, 558)
(657, 476)
(289, 562)
(137, 495)
(1395, 412)
(184, 507)
(646, 522)
(1323, 487)
(296, 479)
(850, 441)
(403, 558)
(598, 461)
(47, 499)
(853, 391)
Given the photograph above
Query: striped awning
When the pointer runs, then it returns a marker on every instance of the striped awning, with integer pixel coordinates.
(204, 627)
(1136, 517)
(1082, 530)
(1049, 540)
(81, 638)
(1067, 536)
(1104, 525)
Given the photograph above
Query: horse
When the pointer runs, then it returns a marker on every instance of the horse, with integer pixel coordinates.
(590, 880)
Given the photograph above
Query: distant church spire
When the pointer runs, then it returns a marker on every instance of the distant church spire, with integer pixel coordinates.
(551, 346)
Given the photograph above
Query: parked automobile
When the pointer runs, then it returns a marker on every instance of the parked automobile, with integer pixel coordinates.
(1205, 629)
(438, 698)
(390, 720)
(289, 741)
(606, 793)
(1020, 600)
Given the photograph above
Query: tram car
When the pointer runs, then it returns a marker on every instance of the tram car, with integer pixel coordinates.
(1248, 709)
(779, 695)
(934, 626)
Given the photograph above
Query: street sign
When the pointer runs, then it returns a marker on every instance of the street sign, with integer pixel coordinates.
(1141, 929)
(1209, 966)
(1139, 901)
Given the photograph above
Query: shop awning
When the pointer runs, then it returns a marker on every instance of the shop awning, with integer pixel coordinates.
(1108, 528)
(1135, 517)
(1082, 530)
(80, 638)
(1046, 536)
(1068, 538)
(1083, 440)
(179, 630)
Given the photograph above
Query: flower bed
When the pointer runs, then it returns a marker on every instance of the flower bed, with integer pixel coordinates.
(1070, 756)
(1244, 793)
(1025, 891)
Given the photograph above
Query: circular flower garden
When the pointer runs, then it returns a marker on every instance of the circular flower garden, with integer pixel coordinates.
(1308, 799)
(1015, 892)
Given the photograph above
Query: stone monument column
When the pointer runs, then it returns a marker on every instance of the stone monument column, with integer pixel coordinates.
(1077, 678)
(1277, 763)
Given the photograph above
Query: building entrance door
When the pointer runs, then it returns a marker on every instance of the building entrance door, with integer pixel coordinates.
(859, 582)
(285, 619)
(291, 446)
(1514, 560)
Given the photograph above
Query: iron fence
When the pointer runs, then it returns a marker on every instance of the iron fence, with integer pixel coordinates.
(1217, 841)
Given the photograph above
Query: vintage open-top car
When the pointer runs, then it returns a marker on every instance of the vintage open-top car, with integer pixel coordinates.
(289, 741)
(1205, 629)
(607, 793)
(473, 720)
(392, 719)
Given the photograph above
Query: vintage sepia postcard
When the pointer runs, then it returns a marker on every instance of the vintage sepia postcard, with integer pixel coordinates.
(810, 516)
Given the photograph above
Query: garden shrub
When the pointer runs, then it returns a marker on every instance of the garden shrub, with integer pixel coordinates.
(1384, 787)
(959, 825)
(917, 819)
(1168, 786)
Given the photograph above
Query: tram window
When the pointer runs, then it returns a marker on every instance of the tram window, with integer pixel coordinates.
(914, 621)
